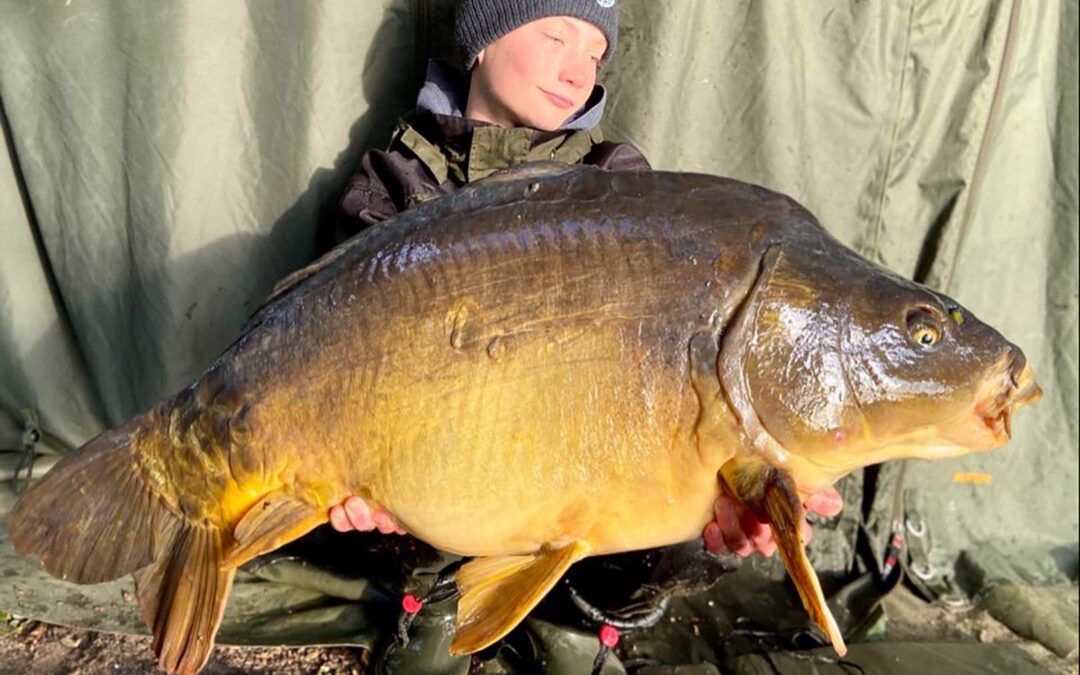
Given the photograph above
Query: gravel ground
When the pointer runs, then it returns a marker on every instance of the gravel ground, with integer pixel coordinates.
(35, 648)
(911, 619)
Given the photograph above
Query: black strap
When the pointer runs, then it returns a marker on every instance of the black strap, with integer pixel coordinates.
(423, 39)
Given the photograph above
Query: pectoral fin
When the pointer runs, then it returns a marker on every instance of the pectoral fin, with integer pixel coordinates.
(497, 593)
(785, 511)
(772, 493)
(272, 522)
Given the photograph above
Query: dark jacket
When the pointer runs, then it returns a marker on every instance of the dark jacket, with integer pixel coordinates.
(435, 151)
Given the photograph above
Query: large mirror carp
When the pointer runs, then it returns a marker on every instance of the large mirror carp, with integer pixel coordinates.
(553, 363)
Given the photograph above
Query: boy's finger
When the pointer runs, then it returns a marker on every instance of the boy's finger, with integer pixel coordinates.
(827, 502)
(767, 548)
(714, 539)
(739, 545)
(727, 514)
(761, 537)
(338, 520)
(384, 522)
(359, 514)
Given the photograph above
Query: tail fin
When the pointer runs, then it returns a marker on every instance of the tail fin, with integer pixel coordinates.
(94, 517)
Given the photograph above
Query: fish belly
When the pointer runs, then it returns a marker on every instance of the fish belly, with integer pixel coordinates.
(505, 456)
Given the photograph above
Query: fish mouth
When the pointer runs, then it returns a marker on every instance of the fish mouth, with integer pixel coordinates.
(1018, 389)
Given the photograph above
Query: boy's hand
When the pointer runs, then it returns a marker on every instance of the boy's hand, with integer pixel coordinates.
(356, 514)
(735, 530)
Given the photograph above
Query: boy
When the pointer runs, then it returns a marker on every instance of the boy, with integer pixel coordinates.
(530, 94)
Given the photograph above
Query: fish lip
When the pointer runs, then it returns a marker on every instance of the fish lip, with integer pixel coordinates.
(1020, 389)
(1026, 392)
(1023, 389)
(1000, 424)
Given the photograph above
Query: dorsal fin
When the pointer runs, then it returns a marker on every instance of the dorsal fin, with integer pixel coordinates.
(537, 170)
(286, 284)
(541, 169)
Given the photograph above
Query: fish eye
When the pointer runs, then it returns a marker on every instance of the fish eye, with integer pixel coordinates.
(926, 336)
(923, 329)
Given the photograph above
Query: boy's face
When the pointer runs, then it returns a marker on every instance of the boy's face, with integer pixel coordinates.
(537, 75)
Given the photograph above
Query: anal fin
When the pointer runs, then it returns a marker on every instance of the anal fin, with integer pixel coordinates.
(183, 596)
(183, 593)
(497, 593)
(272, 522)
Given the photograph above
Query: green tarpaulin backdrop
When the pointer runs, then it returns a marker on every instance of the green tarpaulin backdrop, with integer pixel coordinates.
(168, 161)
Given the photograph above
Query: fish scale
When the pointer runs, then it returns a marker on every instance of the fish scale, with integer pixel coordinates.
(553, 363)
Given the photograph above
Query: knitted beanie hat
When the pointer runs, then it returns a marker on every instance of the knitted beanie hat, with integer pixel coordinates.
(481, 22)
